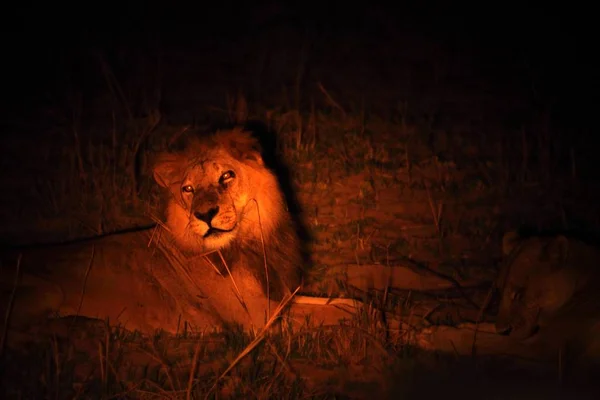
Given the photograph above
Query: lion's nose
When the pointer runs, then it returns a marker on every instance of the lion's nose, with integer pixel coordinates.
(208, 215)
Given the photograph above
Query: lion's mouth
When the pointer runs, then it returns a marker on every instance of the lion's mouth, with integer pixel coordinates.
(216, 232)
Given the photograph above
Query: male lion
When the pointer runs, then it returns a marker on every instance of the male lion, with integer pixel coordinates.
(220, 199)
(549, 294)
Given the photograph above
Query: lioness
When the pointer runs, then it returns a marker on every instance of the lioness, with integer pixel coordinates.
(220, 197)
(550, 294)
(550, 303)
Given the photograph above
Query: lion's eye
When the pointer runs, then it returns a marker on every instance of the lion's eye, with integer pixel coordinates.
(226, 177)
(187, 189)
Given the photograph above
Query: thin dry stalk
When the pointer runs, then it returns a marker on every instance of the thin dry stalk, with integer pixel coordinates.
(82, 174)
(209, 261)
(331, 101)
(238, 293)
(403, 117)
(163, 365)
(259, 337)
(152, 120)
(154, 232)
(87, 272)
(408, 166)
(120, 395)
(311, 129)
(237, 108)
(162, 393)
(174, 257)
(436, 212)
(114, 86)
(114, 152)
(188, 395)
(57, 370)
(161, 225)
(358, 244)
(488, 297)
(299, 130)
(560, 365)
(272, 380)
(431, 311)
(282, 360)
(101, 361)
(262, 241)
(10, 303)
(178, 134)
(106, 350)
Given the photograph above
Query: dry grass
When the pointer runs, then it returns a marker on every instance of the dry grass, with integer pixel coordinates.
(280, 361)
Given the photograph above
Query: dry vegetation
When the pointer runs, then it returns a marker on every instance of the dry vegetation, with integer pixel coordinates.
(377, 188)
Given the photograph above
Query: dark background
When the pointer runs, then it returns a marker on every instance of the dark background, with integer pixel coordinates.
(499, 71)
(545, 52)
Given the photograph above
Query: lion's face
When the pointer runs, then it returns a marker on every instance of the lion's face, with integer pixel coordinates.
(532, 286)
(213, 192)
(214, 188)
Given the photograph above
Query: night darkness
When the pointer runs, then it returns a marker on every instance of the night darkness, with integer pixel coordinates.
(485, 114)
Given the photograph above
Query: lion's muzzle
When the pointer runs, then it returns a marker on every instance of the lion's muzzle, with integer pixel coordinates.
(209, 208)
(217, 221)
(207, 216)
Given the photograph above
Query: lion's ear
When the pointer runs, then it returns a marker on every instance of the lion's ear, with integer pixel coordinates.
(253, 155)
(166, 169)
(243, 145)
